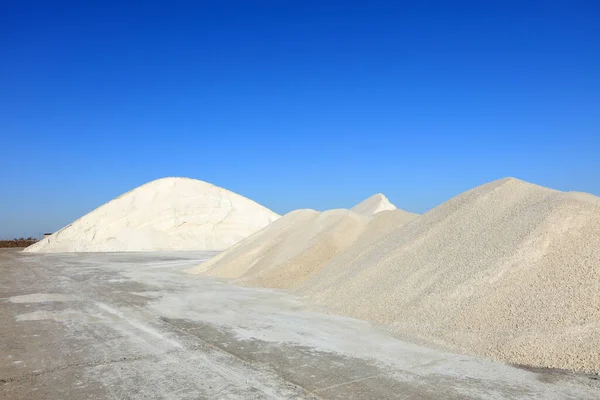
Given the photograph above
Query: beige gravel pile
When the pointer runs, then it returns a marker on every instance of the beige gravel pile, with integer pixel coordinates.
(288, 251)
(301, 243)
(377, 228)
(508, 270)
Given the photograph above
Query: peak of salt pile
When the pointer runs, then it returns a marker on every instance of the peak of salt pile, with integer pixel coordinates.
(507, 270)
(165, 214)
(374, 204)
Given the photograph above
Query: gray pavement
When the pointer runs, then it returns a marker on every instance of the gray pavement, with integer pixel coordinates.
(136, 326)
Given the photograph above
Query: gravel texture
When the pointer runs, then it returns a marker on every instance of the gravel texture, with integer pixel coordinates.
(507, 270)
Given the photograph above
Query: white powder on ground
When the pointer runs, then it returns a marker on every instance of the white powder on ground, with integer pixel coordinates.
(165, 214)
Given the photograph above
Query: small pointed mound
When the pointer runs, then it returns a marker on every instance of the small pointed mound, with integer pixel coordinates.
(165, 214)
(374, 204)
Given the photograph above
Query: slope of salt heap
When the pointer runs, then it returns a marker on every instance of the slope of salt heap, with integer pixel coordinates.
(373, 205)
(238, 259)
(290, 250)
(507, 270)
(165, 214)
(378, 227)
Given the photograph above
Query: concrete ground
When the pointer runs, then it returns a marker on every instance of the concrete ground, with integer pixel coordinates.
(136, 326)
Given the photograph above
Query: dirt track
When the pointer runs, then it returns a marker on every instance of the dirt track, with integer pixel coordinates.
(134, 326)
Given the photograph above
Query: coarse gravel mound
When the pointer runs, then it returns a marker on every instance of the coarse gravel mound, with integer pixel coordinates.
(165, 214)
(507, 270)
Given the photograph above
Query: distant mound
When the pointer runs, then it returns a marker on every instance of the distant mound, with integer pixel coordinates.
(165, 214)
(507, 270)
(373, 205)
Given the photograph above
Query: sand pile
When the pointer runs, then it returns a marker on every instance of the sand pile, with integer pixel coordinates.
(300, 244)
(507, 270)
(165, 214)
(377, 228)
(290, 250)
(373, 205)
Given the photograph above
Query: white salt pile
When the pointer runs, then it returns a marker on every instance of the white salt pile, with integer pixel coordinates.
(165, 214)
(298, 246)
(378, 227)
(288, 251)
(373, 205)
(507, 270)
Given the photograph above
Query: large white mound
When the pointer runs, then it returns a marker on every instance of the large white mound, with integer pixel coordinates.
(165, 214)
(374, 204)
(507, 270)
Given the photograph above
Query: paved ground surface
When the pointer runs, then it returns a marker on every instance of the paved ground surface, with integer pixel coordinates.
(136, 326)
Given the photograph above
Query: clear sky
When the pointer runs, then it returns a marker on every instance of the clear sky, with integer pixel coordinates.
(295, 104)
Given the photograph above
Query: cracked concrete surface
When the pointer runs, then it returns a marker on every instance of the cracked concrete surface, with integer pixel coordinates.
(135, 326)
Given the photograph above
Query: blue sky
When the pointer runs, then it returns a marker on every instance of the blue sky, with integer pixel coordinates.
(295, 104)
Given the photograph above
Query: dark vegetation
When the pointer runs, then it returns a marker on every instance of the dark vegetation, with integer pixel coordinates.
(21, 242)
